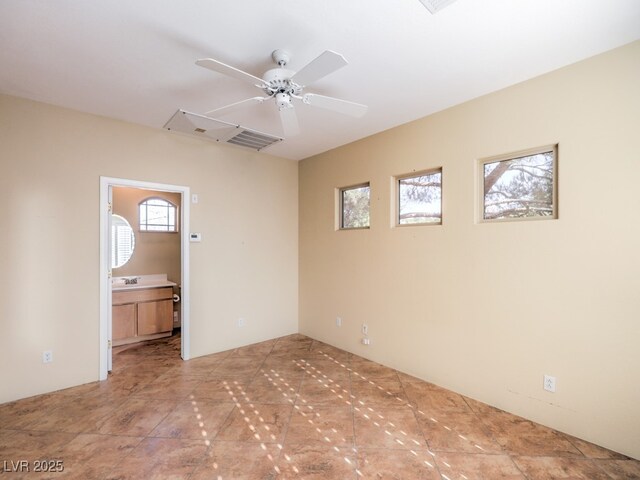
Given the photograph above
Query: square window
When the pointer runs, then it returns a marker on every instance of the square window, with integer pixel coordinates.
(420, 198)
(354, 206)
(520, 186)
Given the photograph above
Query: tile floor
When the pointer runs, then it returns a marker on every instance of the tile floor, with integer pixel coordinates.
(291, 408)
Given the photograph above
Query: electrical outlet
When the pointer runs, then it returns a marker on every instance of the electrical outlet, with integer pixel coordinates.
(338, 322)
(549, 383)
(241, 322)
(47, 356)
(365, 329)
(366, 341)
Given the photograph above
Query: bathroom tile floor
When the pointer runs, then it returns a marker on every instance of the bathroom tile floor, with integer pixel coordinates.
(290, 408)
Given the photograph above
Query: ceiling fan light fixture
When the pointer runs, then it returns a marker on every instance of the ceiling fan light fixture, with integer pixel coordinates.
(434, 6)
(283, 100)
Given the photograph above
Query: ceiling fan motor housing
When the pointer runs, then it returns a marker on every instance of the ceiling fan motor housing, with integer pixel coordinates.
(278, 80)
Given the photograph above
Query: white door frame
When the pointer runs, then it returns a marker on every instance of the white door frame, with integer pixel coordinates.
(105, 263)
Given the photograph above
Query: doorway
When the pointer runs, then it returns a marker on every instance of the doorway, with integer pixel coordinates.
(106, 188)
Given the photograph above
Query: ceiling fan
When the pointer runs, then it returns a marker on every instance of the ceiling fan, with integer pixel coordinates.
(284, 86)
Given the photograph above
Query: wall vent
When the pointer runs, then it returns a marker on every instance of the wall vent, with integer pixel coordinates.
(434, 6)
(219, 131)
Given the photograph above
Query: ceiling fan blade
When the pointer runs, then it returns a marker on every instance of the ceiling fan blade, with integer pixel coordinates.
(289, 121)
(236, 106)
(230, 71)
(335, 104)
(326, 63)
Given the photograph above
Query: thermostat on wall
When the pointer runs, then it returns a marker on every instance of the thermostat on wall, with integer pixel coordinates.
(195, 237)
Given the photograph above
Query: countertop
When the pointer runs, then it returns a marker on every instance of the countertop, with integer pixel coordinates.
(118, 284)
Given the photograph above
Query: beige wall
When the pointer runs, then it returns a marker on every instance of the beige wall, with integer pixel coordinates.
(51, 162)
(487, 309)
(154, 252)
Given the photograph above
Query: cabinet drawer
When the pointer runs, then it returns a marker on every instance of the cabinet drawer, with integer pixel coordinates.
(142, 295)
(155, 317)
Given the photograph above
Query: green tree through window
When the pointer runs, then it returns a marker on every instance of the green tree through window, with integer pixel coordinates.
(521, 187)
(354, 203)
(420, 198)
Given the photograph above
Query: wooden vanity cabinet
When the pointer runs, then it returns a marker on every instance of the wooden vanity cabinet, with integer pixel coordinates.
(155, 317)
(141, 314)
(123, 321)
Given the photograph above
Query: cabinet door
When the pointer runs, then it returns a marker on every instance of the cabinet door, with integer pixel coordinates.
(155, 317)
(123, 321)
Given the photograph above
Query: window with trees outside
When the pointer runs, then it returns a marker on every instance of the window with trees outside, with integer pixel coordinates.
(520, 186)
(158, 215)
(354, 206)
(420, 198)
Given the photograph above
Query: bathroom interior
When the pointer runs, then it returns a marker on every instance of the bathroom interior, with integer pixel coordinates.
(146, 266)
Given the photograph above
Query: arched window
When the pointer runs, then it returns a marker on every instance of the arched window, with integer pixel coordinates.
(158, 215)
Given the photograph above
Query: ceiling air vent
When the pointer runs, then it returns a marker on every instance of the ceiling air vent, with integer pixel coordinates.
(219, 131)
(434, 6)
(251, 139)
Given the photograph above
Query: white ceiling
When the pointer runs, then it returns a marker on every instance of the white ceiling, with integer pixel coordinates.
(134, 59)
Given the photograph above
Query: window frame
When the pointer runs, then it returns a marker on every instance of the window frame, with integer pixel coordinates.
(396, 185)
(340, 204)
(513, 156)
(170, 204)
